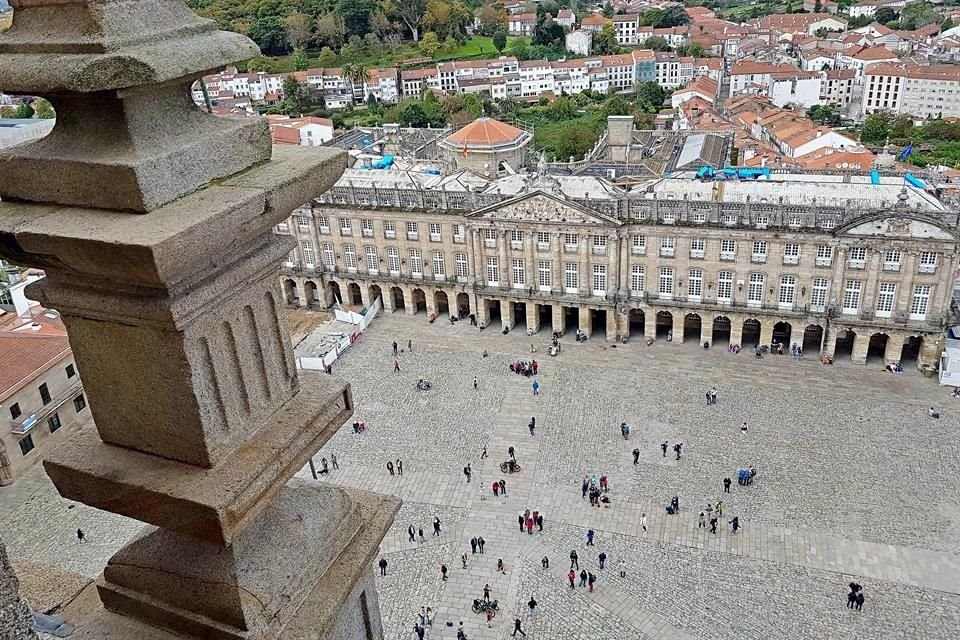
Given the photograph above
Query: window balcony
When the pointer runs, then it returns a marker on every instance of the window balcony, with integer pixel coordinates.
(434, 237)
(696, 253)
(728, 255)
(283, 227)
(599, 251)
(638, 251)
(346, 232)
(543, 246)
(516, 244)
(823, 262)
(856, 264)
(666, 252)
(791, 259)
(490, 243)
(325, 230)
(664, 296)
(417, 275)
(413, 235)
(927, 268)
(758, 258)
(459, 239)
(439, 276)
(368, 233)
(891, 266)
(390, 235)
(570, 248)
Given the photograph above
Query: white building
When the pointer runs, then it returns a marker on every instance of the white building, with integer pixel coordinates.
(922, 92)
(579, 42)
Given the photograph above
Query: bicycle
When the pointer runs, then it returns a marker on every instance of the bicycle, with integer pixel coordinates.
(483, 606)
(509, 467)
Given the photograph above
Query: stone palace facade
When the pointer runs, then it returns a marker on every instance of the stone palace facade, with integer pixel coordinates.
(851, 283)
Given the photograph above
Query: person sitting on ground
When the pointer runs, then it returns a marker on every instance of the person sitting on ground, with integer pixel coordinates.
(933, 413)
(956, 392)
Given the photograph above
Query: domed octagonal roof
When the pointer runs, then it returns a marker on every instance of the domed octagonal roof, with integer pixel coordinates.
(486, 132)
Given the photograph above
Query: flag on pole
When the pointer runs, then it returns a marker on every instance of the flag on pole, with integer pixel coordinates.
(905, 153)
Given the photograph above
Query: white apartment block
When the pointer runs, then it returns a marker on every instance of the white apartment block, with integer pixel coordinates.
(923, 92)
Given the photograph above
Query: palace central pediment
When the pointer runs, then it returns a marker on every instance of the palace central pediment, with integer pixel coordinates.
(542, 207)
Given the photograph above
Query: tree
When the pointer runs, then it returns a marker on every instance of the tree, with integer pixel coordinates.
(299, 59)
(411, 12)
(946, 25)
(269, 34)
(44, 110)
(331, 30)
(577, 139)
(902, 127)
(298, 28)
(450, 45)
(492, 18)
(876, 128)
(24, 111)
(372, 43)
(380, 24)
(356, 15)
(297, 97)
(327, 58)
(8, 112)
(562, 109)
(260, 63)
(650, 96)
(919, 14)
(817, 6)
(617, 105)
(607, 11)
(521, 48)
(657, 43)
(429, 44)
(546, 32)
(669, 17)
(884, 15)
(605, 41)
(499, 41)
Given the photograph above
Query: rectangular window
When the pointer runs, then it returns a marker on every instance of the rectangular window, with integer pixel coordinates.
(461, 265)
(434, 232)
(26, 445)
(519, 273)
(291, 258)
(928, 262)
(600, 245)
(571, 282)
(458, 233)
(920, 302)
(309, 256)
(570, 241)
(599, 279)
(393, 260)
(818, 294)
(824, 255)
(439, 268)
(516, 239)
(544, 275)
(788, 288)
(794, 222)
(490, 237)
(350, 256)
(389, 229)
(762, 222)
(759, 252)
(892, 259)
(326, 250)
(303, 223)
(637, 280)
(543, 240)
(373, 262)
(493, 272)
(44, 393)
(851, 297)
(71, 371)
(791, 253)
(695, 285)
(886, 297)
(667, 245)
(755, 290)
(416, 263)
(639, 246)
(728, 249)
(366, 227)
(53, 422)
(323, 223)
(697, 247)
(665, 287)
(345, 229)
(724, 286)
(412, 232)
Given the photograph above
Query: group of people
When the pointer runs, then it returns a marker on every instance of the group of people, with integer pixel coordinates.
(413, 534)
(597, 489)
(528, 519)
(677, 448)
(395, 469)
(524, 368)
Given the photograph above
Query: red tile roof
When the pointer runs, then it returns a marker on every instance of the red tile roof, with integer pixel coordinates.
(26, 355)
(485, 132)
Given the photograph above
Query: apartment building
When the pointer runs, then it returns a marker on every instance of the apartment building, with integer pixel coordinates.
(923, 92)
(836, 87)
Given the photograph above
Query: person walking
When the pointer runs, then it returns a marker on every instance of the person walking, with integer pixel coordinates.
(503, 488)
(500, 567)
(860, 600)
(536, 388)
(583, 577)
(702, 521)
(486, 592)
(572, 577)
(532, 427)
(395, 352)
(851, 599)
(463, 559)
(622, 566)
(399, 467)
(713, 524)
(475, 383)
(726, 485)
(590, 534)
(436, 526)
(602, 558)
(420, 534)
(532, 606)
(390, 467)
(521, 520)
(574, 559)
(518, 628)
(636, 456)
(483, 491)
(545, 562)
(383, 566)
(719, 508)
(591, 579)
(460, 633)
(496, 488)
(735, 524)
(530, 525)
(643, 522)
(467, 471)
(480, 543)
(473, 545)
(489, 618)
(333, 461)
(419, 630)
(430, 615)
(443, 572)
(396, 366)
(81, 537)
(676, 449)
(410, 346)
(663, 447)
(583, 487)
(411, 532)
(540, 521)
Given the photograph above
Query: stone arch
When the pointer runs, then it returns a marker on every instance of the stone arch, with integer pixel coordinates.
(353, 294)
(396, 294)
(722, 328)
(751, 333)
(812, 338)
(877, 346)
(311, 292)
(782, 334)
(844, 344)
(910, 352)
(463, 304)
(664, 324)
(333, 290)
(419, 300)
(636, 322)
(692, 327)
(290, 292)
(373, 293)
(441, 303)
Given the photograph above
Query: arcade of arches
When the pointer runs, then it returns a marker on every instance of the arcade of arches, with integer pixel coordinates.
(718, 329)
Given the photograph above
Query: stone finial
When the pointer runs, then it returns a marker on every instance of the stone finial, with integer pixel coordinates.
(128, 136)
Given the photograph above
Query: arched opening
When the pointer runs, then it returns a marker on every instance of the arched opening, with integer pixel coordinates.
(781, 335)
(911, 350)
(375, 293)
(664, 324)
(545, 315)
(751, 333)
(812, 338)
(692, 325)
(463, 305)
(333, 289)
(845, 340)
(877, 347)
(571, 319)
(397, 294)
(638, 322)
(494, 319)
(440, 302)
(721, 330)
(419, 301)
(311, 292)
(290, 293)
(353, 294)
(598, 322)
(519, 316)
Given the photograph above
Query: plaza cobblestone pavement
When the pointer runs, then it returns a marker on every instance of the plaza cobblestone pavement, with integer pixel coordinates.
(855, 482)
